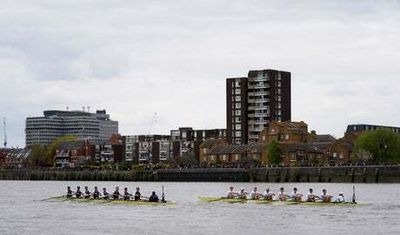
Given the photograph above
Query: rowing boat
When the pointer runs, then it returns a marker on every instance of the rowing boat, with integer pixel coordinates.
(110, 201)
(269, 202)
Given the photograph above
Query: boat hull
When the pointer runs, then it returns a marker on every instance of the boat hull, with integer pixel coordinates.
(112, 202)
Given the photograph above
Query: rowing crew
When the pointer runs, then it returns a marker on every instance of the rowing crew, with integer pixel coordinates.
(282, 196)
(116, 195)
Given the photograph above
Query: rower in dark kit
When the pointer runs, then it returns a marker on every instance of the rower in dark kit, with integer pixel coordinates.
(96, 193)
(69, 192)
(127, 195)
(116, 193)
(106, 195)
(137, 195)
(153, 197)
(78, 192)
(87, 192)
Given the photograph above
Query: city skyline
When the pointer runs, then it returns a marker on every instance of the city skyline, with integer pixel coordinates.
(173, 58)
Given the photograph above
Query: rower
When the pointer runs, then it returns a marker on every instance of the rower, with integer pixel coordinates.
(325, 197)
(137, 194)
(127, 195)
(296, 196)
(153, 197)
(340, 198)
(87, 192)
(282, 196)
(116, 193)
(78, 192)
(255, 195)
(106, 195)
(69, 192)
(311, 197)
(96, 193)
(242, 194)
(268, 195)
(231, 194)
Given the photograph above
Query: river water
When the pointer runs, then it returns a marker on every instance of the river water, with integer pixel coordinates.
(24, 210)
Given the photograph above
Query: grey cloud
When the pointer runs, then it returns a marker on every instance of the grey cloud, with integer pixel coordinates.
(135, 58)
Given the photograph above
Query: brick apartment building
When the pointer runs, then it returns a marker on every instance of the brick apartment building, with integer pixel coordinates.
(252, 102)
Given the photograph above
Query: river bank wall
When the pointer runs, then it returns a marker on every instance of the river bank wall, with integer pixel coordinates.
(347, 174)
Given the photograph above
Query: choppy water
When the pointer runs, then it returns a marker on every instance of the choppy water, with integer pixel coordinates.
(23, 211)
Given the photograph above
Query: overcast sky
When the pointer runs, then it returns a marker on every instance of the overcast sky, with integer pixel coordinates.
(137, 58)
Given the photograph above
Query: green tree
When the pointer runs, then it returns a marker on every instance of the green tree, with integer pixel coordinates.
(187, 159)
(274, 152)
(38, 156)
(380, 146)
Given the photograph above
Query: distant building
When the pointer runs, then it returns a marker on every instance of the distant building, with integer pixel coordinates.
(253, 102)
(147, 148)
(17, 157)
(72, 154)
(55, 123)
(187, 140)
(358, 128)
(286, 132)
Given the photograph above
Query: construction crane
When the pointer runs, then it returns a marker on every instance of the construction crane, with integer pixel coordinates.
(5, 132)
(153, 120)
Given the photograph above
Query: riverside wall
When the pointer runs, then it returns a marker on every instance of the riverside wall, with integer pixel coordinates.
(345, 174)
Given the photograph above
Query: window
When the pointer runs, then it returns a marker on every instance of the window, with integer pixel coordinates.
(238, 126)
(237, 112)
(237, 119)
(238, 133)
(287, 137)
(238, 98)
(237, 91)
(238, 105)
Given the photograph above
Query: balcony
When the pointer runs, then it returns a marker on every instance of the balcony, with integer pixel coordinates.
(257, 107)
(258, 93)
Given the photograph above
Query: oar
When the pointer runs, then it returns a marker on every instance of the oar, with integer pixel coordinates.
(354, 194)
(163, 195)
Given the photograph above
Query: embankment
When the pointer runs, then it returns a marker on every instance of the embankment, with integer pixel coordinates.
(347, 174)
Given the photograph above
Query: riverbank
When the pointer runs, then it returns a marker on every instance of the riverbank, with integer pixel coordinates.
(344, 174)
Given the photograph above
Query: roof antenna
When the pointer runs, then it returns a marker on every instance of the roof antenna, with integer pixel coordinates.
(67, 108)
(88, 109)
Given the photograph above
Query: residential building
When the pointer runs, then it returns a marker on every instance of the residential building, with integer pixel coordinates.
(357, 128)
(72, 154)
(187, 140)
(147, 148)
(301, 154)
(55, 123)
(18, 157)
(229, 155)
(286, 132)
(254, 101)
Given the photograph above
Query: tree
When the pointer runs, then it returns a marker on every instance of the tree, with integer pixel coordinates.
(187, 159)
(274, 152)
(38, 157)
(380, 146)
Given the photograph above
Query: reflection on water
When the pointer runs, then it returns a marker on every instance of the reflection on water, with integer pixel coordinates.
(23, 210)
